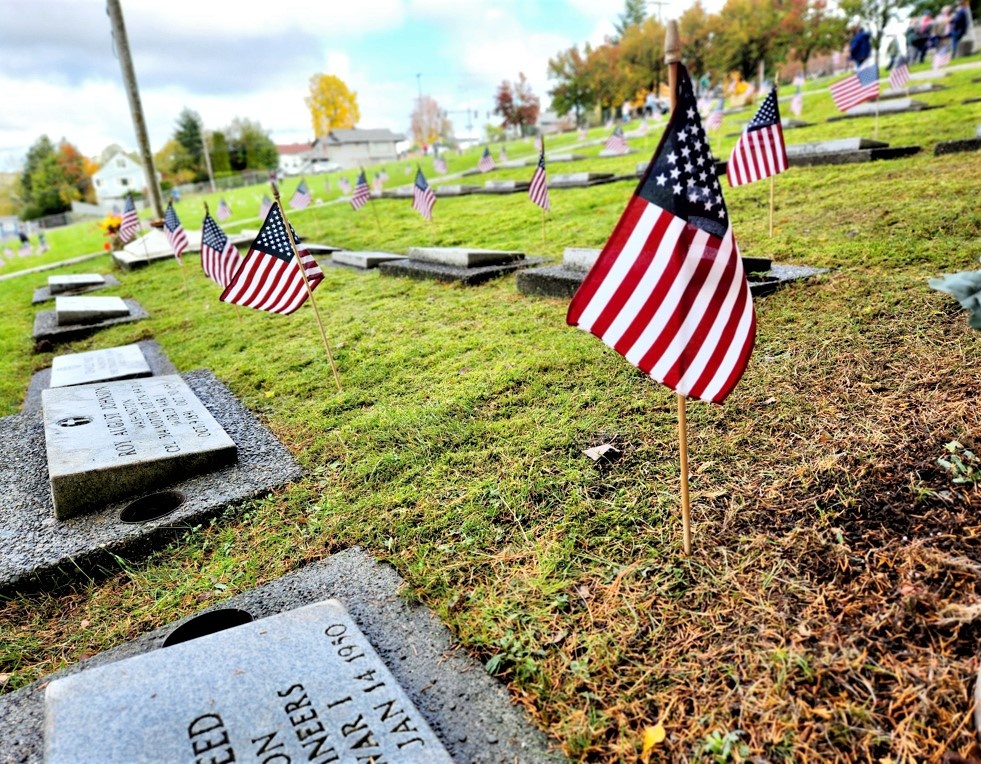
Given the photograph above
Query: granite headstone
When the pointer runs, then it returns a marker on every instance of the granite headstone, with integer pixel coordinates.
(124, 362)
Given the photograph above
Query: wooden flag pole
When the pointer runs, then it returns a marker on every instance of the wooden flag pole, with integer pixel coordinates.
(306, 282)
(771, 206)
(541, 139)
(672, 55)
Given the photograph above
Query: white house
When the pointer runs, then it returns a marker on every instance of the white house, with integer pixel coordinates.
(354, 147)
(117, 177)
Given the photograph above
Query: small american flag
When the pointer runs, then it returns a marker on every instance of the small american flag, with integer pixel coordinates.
(583, 133)
(616, 142)
(301, 197)
(486, 163)
(345, 185)
(383, 175)
(265, 206)
(131, 221)
(439, 165)
(377, 183)
(856, 88)
(760, 151)
(538, 190)
(668, 291)
(503, 156)
(899, 75)
(797, 103)
(714, 121)
(175, 232)
(219, 258)
(942, 57)
(268, 278)
(361, 192)
(423, 197)
(224, 211)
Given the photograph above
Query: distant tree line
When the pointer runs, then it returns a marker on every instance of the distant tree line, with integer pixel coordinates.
(741, 37)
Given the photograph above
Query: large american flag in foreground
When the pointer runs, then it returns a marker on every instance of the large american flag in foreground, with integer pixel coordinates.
(668, 290)
(268, 278)
(130, 223)
(423, 197)
(361, 192)
(175, 232)
(219, 258)
(538, 189)
(760, 151)
(856, 88)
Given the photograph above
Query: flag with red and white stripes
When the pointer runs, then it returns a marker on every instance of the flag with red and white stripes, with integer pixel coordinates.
(538, 189)
(617, 142)
(175, 232)
(942, 57)
(361, 192)
(219, 258)
(856, 88)
(668, 291)
(486, 162)
(301, 197)
(224, 211)
(760, 151)
(899, 75)
(714, 121)
(423, 197)
(131, 222)
(268, 277)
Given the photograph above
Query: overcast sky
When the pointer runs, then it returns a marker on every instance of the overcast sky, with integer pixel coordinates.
(59, 74)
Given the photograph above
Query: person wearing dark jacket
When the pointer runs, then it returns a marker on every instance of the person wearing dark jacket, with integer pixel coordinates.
(860, 48)
(959, 24)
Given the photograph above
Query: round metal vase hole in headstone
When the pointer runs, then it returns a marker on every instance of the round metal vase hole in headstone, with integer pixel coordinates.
(208, 623)
(151, 507)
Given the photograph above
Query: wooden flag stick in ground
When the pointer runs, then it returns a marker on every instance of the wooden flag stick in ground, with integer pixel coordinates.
(771, 206)
(672, 56)
(306, 282)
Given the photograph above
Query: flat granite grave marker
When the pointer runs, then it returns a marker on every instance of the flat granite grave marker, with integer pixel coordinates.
(580, 179)
(844, 151)
(503, 187)
(88, 310)
(154, 247)
(469, 266)
(363, 260)
(124, 362)
(116, 439)
(305, 685)
(75, 282)
(892, 106)
(48, 327)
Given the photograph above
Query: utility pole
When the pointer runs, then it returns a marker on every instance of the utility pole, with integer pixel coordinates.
(207, 156)
(659, 4)
(115, 13)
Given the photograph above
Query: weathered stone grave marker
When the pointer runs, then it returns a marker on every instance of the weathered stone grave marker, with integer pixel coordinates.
(89, 310)
(305, 685)
(363, 260)
(580, 179)
(503, 187)
(467, 265)
(112, 440)
(124, 362)
(844, 151)
(75, 282)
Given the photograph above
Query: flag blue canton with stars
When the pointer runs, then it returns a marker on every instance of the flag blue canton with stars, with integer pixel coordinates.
(272, 238)
(768, 113)
(212, 235)
(682, 177)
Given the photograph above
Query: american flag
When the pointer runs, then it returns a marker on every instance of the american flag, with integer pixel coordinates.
(175, 232)
(797, 103)
(376, 183)
(224, 211)
(668, 291)
(383, 175)
(942, 57)
(760, 151)
(538, 190)
(265, 206)
(899, 75)
(131, 221)
(361, 192)
(503, 156)
(423, 197)
(439, 165)
(583, 133)
(219, 258)
(616, 142)
(345, 185)
(301, 197)
(486, 163)
(714, 121)
(856, 88)
(268, 277)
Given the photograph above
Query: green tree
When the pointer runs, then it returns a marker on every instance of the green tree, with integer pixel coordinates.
(634, 13)
(573, 92)
(642, 57)
(608, 78)
(812, 27)
(695, 27)
(188, 135)
(221, 164)
(53, 178)
(250, 147)
(745, 34)
(174, 163)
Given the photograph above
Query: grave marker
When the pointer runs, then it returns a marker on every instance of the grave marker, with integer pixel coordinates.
(75, 282)
(363, 260)
(112, 440)
(125, 362)
(88, 310)
(305, 685)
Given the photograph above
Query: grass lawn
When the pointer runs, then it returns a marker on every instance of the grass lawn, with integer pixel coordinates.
(830, 609)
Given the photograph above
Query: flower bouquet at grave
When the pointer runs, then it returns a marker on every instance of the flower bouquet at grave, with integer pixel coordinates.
(110, 226)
